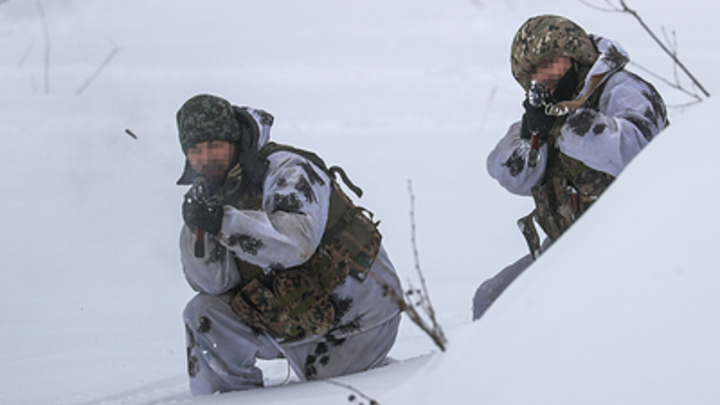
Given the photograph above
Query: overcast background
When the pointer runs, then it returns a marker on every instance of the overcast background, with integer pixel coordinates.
(392, 90)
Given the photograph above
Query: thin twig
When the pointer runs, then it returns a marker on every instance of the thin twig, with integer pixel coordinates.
(99, 70)
(26, 55)
(664, 48)
(671, 49)
(674, 47)
(353, 389)
(426, 294)
(46, 33)
(436, 331)
(675, 86)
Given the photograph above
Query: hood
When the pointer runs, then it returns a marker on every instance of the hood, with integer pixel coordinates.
(260, 122)
(611, 58)
(255, 127)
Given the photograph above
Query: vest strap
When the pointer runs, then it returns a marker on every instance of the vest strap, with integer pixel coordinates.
(339, 170)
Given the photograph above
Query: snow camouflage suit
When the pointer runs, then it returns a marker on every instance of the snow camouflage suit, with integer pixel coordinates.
(290, 303)
(613, 116)
(355, 323)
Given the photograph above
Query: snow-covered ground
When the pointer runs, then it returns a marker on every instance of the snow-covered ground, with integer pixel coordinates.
(621, 310)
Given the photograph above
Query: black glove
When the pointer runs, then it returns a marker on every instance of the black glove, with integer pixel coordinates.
(535, 121)
(198, 213)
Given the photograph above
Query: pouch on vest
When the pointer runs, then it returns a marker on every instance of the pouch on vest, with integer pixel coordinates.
(290, 303)
(287, 308)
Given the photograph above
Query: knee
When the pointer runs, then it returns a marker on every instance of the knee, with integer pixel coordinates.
(198, 308)
(487, 291)
(484, 297)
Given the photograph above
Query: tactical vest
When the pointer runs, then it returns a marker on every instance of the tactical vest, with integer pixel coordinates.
(290, 303)
(567, 190)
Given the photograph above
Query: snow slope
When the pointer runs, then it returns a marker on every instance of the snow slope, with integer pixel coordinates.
(392, 90)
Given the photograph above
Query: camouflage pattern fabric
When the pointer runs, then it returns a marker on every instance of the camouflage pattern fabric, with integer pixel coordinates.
(289, 307)
(568, 189)
(542, 38)
(206, 118)
(527, 227)
(291, 303)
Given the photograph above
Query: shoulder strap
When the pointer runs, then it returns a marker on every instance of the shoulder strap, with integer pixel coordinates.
(272, 147)
(594, 100)
(566, 107)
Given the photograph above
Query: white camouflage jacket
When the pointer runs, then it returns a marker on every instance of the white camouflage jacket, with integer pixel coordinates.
(631, 113)
(283, 234)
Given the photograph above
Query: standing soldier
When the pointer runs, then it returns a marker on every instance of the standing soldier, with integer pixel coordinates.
(585, 119)
(285, 265)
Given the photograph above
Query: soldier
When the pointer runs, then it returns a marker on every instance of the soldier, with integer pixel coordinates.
(285, 265)
(585, 119)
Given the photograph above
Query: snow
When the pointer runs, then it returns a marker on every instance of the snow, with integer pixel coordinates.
(622, 309)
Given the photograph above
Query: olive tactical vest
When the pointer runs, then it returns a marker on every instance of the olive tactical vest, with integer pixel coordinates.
(290, 303)
(567, 190)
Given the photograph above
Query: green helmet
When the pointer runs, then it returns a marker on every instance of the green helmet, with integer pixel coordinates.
(206, 118)
(543, 38)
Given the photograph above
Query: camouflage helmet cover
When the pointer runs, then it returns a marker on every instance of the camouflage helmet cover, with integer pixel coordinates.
(542, 38)
(206, 118)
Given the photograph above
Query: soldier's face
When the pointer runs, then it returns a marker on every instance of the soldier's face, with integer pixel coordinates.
(552, 71)
(212, 158)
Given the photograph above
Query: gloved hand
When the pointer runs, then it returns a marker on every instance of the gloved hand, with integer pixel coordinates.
(535, 121)
(199, 213)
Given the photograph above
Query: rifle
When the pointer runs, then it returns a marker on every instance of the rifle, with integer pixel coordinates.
(538, 96)
(201, 193)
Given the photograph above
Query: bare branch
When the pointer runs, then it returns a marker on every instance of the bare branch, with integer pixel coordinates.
(99, 70)
(435, 331)
(426, 295)
(632, 12)
(675, 86)
(405, 304)
(672, 45)
(26, 55)
(611, 5)
(684, 106)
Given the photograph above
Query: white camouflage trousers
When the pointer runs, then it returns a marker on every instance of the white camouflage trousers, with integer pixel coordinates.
(221, 349)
